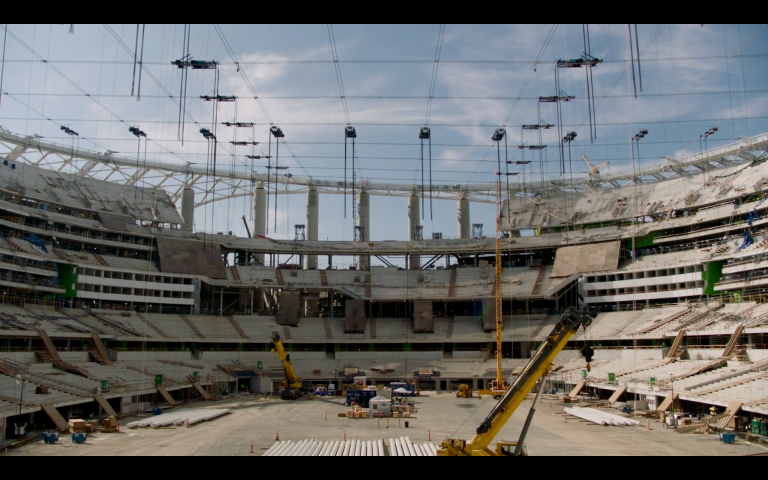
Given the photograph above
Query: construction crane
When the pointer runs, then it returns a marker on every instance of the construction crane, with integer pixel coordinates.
(291, 385)
(498, 385)
(536, 369)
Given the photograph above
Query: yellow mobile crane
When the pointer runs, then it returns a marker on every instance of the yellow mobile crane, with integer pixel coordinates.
(498, 385)
(291, 385)
(536, 369)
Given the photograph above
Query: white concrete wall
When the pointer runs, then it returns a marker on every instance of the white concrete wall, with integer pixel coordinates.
(672, 294)
(391, 356)
(464, 355)
(640, 354)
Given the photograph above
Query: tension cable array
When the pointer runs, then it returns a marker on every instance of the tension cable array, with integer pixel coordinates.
(632, 58)
(138, 59)
(184, 63)
(426, 134)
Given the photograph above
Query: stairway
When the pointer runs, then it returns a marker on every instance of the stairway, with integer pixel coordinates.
(60, 254)
(328, 331)
(13, 246)
(235, 274)
(541, 326)
(192, 326)
(452, 286)
(101, 355)
(52, 353)
(237, 328)
(118, 326)
(324, 278)
(733, 342)
(677, 346)
(279, 274)
(368, 286)
(372, 323)
(152, 326)
(100, 259)
(539, 279)
(449, 328)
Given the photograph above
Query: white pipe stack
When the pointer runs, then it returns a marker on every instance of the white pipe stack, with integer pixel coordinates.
(381, 447)
(345, 452)
(409, 445)
(601, 418)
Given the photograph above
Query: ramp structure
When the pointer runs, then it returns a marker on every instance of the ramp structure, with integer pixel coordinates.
(600, 257)
(104, 404)
(56, 417)
(167, 396)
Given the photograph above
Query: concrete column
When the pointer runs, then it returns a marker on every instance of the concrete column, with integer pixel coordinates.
(465, 227)
(259, 227)
(188, 208)
(364, 221)
(313, 205)
(259, 223)
(414, 219)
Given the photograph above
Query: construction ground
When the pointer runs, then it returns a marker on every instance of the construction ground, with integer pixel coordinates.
(258, 419)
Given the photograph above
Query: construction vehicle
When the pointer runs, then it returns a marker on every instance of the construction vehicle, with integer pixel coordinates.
(465, 391)
(534, 371)
(291, 387)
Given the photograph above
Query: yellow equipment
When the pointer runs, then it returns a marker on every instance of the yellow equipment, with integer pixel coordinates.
(292, 385)
(536, 369)
(499, 385)
(464, 392)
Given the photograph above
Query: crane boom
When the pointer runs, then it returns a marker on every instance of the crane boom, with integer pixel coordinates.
(291, 379)
(539, 366)
(501, 384)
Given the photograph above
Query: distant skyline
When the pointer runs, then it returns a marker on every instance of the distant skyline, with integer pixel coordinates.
(694, 77)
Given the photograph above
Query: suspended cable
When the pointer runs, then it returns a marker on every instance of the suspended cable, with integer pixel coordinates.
(632, 59)
(639, 69)
(335, 53)
(135, 59)
(242, 73)
(2, 66)
(435, 66)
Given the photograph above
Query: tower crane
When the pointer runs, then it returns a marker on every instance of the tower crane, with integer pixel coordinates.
(534, 371)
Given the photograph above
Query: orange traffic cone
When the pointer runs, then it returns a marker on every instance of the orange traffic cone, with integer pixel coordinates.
(649, 425)
(251, 446)
(430, 435)
(566, 418)
(345, 435)
(277, 436)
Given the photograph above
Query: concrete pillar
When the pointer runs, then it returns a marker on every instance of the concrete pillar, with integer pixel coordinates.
(259, 227)
(465, 227)
(313, 205)
(364, 221)
(188, 208)
(259, 223)
(414, 219)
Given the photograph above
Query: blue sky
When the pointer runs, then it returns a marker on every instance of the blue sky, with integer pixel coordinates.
(694, 77)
